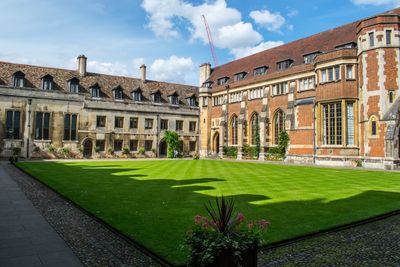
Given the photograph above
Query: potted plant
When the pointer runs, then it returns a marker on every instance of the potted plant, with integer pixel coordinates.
(224, 239)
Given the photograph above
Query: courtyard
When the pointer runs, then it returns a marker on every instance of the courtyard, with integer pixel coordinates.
(154, 202)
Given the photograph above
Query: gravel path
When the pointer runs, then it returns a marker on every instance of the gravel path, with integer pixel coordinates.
(373, 244)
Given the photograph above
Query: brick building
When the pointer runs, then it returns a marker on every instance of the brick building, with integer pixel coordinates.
(95, 113)
(336, 94)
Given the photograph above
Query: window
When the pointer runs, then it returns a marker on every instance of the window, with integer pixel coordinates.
(192, 146)
(279, 125)
(280, 88)
(309, 58)
(95, 92)
(330, 74)
(192, 126)
(73, 85)
(222, 81)
(47, 83)
(148, 145)
(374, 127)
(306, 83)
(234, 130)
(218, 100)
(391, 97)
(70, 126)
(239, 76)
(284, 64)
(157, 97)
(235, 97)
(133, 123)
(118, 94)
(19, 79)
(388, 37)
(192, 101)
(179, 126)
(349, 72)
(350, 124)
(174, 99)
(117, 145)
(164, 125)
(332, 123)
(347, 45)
(13, 124)
(371, 39)
(100, 145)
(260, 71)
(101, 121)
(137, 95)
(133, 145)
(255, 93)
(255, 129)
(42, 126)
(148, 123)
(119, 122)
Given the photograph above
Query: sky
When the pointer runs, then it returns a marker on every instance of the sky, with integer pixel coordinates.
(168, 36)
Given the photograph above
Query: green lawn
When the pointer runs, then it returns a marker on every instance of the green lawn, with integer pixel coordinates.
(154, 202)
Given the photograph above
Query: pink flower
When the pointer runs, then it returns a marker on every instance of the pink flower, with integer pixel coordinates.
(263, 223)
(240, 217)
(197, 219)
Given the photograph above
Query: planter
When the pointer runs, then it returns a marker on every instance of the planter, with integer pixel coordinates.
(226, 259)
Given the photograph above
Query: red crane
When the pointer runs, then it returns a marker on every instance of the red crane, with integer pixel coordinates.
(210, 41)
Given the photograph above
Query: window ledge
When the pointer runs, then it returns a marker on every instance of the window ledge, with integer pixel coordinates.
(41, 141)
(71, 141)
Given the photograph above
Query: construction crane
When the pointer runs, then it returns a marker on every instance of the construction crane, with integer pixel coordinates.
(210, 41)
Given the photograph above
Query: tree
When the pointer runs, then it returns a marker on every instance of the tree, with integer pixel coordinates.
(172, 140)
(257, 139)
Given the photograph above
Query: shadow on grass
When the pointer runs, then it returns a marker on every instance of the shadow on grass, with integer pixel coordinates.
(158, 212)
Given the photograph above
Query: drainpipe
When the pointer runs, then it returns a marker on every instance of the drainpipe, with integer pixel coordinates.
(29, 126)
(227, 117)
(315, 133)
(158, 136)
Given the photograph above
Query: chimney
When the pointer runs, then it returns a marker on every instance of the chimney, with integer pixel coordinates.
(143, 73)
(205, 72)
(82, 60)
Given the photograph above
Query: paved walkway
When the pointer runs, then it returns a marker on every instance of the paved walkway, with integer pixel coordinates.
(26, 239)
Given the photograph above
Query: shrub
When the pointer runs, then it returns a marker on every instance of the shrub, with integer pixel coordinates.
(196, 156)
(230, 151)
(250, 151)
(141, 151)
(51, 149)
(16, 151)
(125, 150)
(36, 149)
(172, 140)
(283, 142)
(110, 151)
(358, 162)
(81, 149)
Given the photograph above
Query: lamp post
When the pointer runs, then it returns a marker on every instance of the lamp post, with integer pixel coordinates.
(29, 126)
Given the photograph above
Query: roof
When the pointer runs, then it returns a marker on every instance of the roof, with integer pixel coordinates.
(322, 42)
(34, 75)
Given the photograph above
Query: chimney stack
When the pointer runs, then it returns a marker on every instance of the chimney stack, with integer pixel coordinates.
(205, 72)
(82, 60)
(143, 73)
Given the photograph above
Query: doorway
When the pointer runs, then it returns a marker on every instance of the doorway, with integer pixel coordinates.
(87, 148)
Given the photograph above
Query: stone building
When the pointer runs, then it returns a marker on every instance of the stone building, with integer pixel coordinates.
(335, 93)
(97, 114)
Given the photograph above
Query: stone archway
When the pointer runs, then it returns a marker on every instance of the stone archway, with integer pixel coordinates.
(215, 142)
(162, 149)
(87, 148)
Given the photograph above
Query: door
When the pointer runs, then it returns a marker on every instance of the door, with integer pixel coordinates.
(216, 143)
(87, 148)
(163, 149)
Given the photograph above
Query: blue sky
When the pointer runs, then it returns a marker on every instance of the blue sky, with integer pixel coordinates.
(166, 35)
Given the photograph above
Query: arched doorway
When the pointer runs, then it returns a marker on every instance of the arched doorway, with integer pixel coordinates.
(87, 148)
(162, 148)
(215, 147)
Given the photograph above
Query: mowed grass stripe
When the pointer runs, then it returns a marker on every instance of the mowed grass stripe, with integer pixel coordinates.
(154, 202)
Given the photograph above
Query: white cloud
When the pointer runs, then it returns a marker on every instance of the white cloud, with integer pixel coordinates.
(270, 21)
(227, 28)
(245, 51)
(114, 68)
(174, 69)
(293, 13)
(395, 3)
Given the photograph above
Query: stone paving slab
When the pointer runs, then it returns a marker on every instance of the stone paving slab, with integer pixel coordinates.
(26, 238)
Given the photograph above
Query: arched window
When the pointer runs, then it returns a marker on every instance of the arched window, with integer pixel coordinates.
(19, 79)
(234, 130)
(391, 97)
(373, 126)
(279, 124)
(255, 128)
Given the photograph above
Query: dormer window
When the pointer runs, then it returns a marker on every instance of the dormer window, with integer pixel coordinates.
(73, 85)
(174, 99)
(239, 76)
(346, 45)
(47, 82)
(309, 58)
(19, 79)
(222, 81)
(137, 95)
(192, 101)
(282, 65)
(118, 93)
(157, 97)
(260, 71)
(95, 91)
(207, 84)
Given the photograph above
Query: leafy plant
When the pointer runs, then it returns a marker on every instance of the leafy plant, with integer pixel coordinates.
(36, 149)
(81, 149)
(16, 151)
(196, 156)
(141, 151)
(283, 142)
(66, 151)
(110, 151)
(230, 151)
(125, 150)
(172, 140)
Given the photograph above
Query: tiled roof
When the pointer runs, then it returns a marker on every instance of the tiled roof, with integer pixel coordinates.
(34, 74)
(323, 42)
